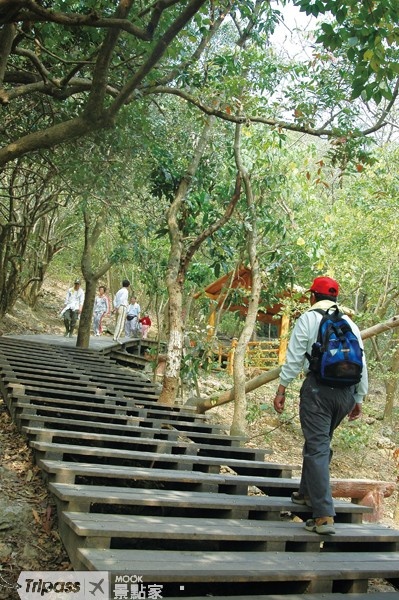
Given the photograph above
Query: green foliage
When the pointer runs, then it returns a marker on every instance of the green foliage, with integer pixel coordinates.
(198, 357)
(369, 33)
(256, 410)
(230, 325)
(355, 435)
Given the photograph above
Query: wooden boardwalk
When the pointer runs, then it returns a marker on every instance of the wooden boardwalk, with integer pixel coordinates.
(152, 490)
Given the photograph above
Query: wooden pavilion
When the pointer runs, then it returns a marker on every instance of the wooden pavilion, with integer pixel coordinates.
(263, 353)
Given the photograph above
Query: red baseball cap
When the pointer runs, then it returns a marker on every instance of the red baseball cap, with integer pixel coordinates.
(325, 286)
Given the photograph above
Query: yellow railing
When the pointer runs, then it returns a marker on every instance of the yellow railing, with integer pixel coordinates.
(264, 354)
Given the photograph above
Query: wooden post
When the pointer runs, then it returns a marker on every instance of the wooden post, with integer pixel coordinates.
(230, 356)
(284, 328)
(211, 324)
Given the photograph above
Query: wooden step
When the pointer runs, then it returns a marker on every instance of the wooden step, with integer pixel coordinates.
(152, 451)
(222, 443)
(295, 571)
(169, 479)
(274, 486)
(68, 380)
(82, 530)
(244, 457)
(101, 367)
(77, 398)
(160, 502)
(114, 414)
(19, 361)
(66, 471)
(127, 358)
(95, 401)
(87, 391)
(136, 401)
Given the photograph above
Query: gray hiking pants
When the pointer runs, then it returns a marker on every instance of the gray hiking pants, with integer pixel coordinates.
(70, 319)
(321, 410)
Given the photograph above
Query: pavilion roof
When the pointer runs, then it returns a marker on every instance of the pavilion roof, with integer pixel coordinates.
(242, 278)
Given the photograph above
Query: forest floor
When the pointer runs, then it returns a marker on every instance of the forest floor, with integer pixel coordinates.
(29, 539)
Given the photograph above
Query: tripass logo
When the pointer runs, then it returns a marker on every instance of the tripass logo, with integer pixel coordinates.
(63, 585)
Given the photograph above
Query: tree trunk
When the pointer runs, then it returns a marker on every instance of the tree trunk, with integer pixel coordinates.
(175, 346)
(391, 384)
(239, 423)
(86, 316)
(92, 234)
(380, 327)
(177, 267)
(250, 385)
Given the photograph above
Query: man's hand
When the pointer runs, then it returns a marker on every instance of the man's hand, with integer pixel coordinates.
(355, 412)
(279, 401)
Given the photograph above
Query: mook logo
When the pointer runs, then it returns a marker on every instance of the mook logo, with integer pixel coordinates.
(63, 585)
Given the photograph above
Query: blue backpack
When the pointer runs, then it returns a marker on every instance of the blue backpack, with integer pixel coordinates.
(336, 357)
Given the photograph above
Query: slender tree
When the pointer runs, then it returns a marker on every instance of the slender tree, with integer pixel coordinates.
(238, 426)
(179, 259)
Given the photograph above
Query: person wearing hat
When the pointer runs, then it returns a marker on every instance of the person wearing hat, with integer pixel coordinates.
(321, 409)
(72, 307)
(121, 302)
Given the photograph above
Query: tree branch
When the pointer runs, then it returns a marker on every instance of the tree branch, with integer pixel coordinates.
(94, 105)
(158, 51)
(28, 10)
(57, 134)
(7, 36)
(216, 225)
(236, 118)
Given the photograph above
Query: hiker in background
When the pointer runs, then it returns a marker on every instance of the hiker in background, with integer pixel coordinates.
(72, 307)
(121, 302)
(322, 407)
(132, 325)
(101, 309)
(145, 325)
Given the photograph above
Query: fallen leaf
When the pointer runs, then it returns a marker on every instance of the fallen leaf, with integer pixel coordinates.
(36, 516)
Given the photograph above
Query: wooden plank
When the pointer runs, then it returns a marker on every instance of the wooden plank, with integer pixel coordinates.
(97, 402)
(82, 497)
(109, 379)
(35, 366)
(70, 472)
(88, 388)
(23, 410)
(91, 392)
(29, 378)
(111, 409)
(93, 401)
(116, 456)
(221, 443)
(153, 450)
(85, 386)
(191, 566)
(145, 436)
(290, 534)
(276, 486)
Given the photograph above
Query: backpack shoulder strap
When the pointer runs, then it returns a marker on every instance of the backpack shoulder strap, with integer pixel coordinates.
(319, 310)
